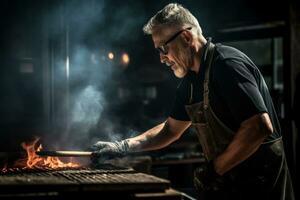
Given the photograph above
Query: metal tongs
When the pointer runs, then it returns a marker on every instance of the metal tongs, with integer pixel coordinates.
(64, 153)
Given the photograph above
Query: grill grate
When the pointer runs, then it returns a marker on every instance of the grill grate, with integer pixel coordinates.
(105, 179)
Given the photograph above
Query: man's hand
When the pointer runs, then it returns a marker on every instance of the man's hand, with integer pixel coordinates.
(206, 178)
(107, 150)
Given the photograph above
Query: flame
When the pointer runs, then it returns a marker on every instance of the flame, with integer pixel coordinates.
(38, 162)
(32, 158)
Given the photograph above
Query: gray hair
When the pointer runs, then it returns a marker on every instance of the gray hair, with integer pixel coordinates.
(172, 14)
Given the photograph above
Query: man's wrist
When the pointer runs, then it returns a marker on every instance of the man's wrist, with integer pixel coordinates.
(217, 169)
(125, 144)
(212, 169)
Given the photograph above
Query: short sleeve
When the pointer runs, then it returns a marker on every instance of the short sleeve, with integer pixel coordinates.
(239, 89)
(178, 111)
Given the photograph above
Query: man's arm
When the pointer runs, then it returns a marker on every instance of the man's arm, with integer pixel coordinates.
(247, 140)
(159, 136)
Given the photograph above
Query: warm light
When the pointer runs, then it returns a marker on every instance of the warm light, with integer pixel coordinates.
(34, 160)
(37, 162)
(125, 59)
(110, 55)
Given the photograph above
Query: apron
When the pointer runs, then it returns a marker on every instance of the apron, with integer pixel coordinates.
(213, 135)
(264, 175)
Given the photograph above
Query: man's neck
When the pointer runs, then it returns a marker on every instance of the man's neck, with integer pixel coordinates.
(198, 55)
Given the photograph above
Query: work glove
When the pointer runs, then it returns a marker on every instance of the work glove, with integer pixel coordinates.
(108, 150)
(207, 179)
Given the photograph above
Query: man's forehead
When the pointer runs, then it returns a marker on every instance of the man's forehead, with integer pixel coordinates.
(161, 34)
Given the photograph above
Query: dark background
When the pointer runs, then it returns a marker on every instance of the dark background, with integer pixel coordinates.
(57, 82)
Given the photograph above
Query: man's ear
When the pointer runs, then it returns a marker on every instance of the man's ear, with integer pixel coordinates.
(187, 37)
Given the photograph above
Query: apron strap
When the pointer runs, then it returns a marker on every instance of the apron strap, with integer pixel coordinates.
(208, 61)
(210, 55)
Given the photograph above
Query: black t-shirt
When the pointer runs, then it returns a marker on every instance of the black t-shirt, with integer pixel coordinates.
(237, 90)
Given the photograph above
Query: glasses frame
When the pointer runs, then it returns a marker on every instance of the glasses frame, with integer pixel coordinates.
(162, 48)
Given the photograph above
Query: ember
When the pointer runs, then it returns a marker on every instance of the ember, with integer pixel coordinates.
(33, 161)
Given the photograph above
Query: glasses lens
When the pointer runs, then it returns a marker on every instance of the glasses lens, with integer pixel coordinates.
(162, 50)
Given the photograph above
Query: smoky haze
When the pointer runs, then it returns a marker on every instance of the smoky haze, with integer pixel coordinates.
(93, 29)
(71, 107)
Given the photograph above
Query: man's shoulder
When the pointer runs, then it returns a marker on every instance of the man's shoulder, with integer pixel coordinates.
(225, 52)
(230, 58)
(230, 62)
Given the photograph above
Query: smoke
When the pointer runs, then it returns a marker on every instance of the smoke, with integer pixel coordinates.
(88, 107)
(112, 130)
(127, 22)
(93, 29)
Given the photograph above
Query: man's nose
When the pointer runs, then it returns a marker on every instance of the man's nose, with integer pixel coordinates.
(163, 58)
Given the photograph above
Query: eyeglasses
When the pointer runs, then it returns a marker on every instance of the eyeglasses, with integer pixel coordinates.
(163, 48)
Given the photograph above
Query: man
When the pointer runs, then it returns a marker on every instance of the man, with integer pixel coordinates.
(223, 95)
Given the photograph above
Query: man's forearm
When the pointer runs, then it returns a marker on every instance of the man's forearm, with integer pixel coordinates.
(247, 140)
(154, 138)
(160, 136)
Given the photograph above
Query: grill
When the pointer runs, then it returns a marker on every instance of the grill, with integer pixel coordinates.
(110, 179)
